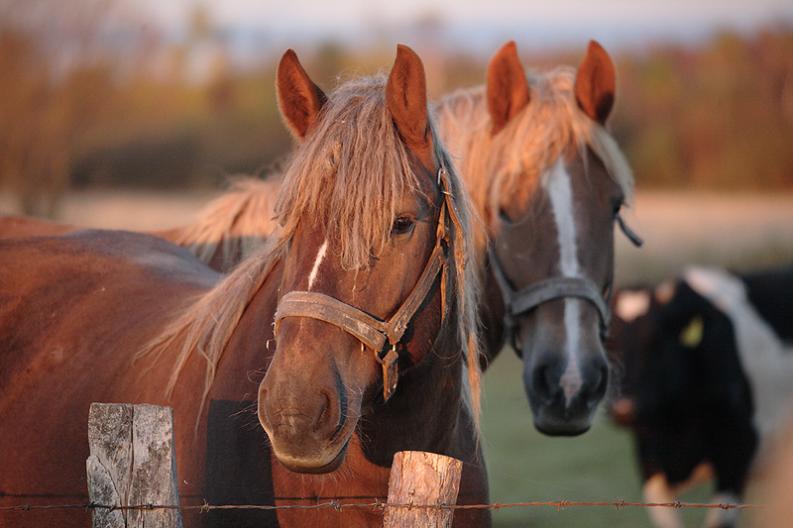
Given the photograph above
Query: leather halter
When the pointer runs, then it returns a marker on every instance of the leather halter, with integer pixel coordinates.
(518, 303)
(383, 336)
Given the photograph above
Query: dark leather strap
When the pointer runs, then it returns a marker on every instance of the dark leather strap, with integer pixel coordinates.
(371, 331)
(517, 303)
(368, 330)
(559, 287)
(635, 239)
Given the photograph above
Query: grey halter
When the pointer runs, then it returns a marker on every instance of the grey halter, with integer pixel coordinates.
(518, 303)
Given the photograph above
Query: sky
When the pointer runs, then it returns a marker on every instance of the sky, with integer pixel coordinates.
(547, 23)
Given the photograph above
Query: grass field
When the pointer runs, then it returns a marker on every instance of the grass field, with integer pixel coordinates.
(741, 231)
(524, 465)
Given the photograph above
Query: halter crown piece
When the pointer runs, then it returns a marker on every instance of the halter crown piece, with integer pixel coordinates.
(383, 336)
(517, 303)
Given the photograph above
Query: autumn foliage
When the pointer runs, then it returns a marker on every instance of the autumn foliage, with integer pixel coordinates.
(102, 99)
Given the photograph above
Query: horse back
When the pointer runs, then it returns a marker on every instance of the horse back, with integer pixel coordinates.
(27, 226)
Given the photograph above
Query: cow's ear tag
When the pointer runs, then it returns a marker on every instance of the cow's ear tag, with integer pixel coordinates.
(691, 336)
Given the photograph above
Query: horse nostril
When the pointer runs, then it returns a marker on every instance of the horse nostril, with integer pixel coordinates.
(603, 382)
(544, 383)
(599, 383)
(324, 410)
(596, 382)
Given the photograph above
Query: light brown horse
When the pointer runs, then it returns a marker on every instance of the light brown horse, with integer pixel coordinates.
(549, 181)
(375, 226)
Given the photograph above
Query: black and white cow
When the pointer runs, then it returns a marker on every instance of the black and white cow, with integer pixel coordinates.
(707, 374)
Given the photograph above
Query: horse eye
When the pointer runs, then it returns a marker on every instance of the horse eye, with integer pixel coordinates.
(616, 208)
(402, 226)
(504, 216)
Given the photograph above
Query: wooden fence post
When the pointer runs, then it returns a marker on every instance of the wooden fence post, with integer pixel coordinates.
(132, 462)
(422, 478)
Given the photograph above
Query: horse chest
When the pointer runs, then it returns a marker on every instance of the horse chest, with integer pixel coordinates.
(356, 481)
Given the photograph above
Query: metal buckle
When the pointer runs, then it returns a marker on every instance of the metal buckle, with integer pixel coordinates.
(390, 371)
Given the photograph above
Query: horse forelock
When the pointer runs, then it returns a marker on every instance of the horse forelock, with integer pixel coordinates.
(350, 174)
(511, 162)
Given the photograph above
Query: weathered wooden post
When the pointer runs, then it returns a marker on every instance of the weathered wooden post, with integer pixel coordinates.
(132, 462)
(422, 478)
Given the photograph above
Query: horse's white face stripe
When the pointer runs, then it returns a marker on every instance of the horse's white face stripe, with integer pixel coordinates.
(317, 261)
(560, 192)
(571, 377)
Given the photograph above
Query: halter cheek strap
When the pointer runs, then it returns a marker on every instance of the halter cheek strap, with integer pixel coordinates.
(635, 239)
(382, 336)
(518, 303)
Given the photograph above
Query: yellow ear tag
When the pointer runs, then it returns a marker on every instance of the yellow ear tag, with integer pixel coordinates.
(691, 336)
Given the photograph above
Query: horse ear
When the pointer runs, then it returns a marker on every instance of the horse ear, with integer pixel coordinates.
(507, 87)
(595, 83)
(299, 99)
(406, 98)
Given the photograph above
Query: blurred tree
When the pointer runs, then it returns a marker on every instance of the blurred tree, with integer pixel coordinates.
(55, 83)
(92, 94)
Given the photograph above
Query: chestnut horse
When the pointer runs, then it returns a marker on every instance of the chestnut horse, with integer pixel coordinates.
(549, 182)
(375, 232)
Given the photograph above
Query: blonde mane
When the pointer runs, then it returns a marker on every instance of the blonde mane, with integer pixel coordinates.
(511, 162)
(349, 174)
(236, 223)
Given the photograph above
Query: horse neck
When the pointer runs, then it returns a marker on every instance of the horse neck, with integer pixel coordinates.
(251, 346)
(491, 314)
(427, 412)
(464, 124)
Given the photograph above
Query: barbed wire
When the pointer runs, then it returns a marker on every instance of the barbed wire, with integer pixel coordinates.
(338, 505)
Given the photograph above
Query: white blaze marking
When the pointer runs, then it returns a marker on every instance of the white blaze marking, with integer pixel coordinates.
(764, 358)
(632, 304)
(315, 269)
(558, 186)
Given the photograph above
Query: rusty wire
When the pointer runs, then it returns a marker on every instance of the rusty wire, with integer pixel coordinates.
(338, 505)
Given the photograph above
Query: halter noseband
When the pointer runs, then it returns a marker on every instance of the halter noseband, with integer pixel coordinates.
(379, 336)
(518, 303)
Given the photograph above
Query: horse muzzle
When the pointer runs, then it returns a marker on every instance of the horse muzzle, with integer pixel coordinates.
(309, 434)
(564, 399)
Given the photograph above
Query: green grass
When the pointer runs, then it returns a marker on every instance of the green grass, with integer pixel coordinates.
(525, 465)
